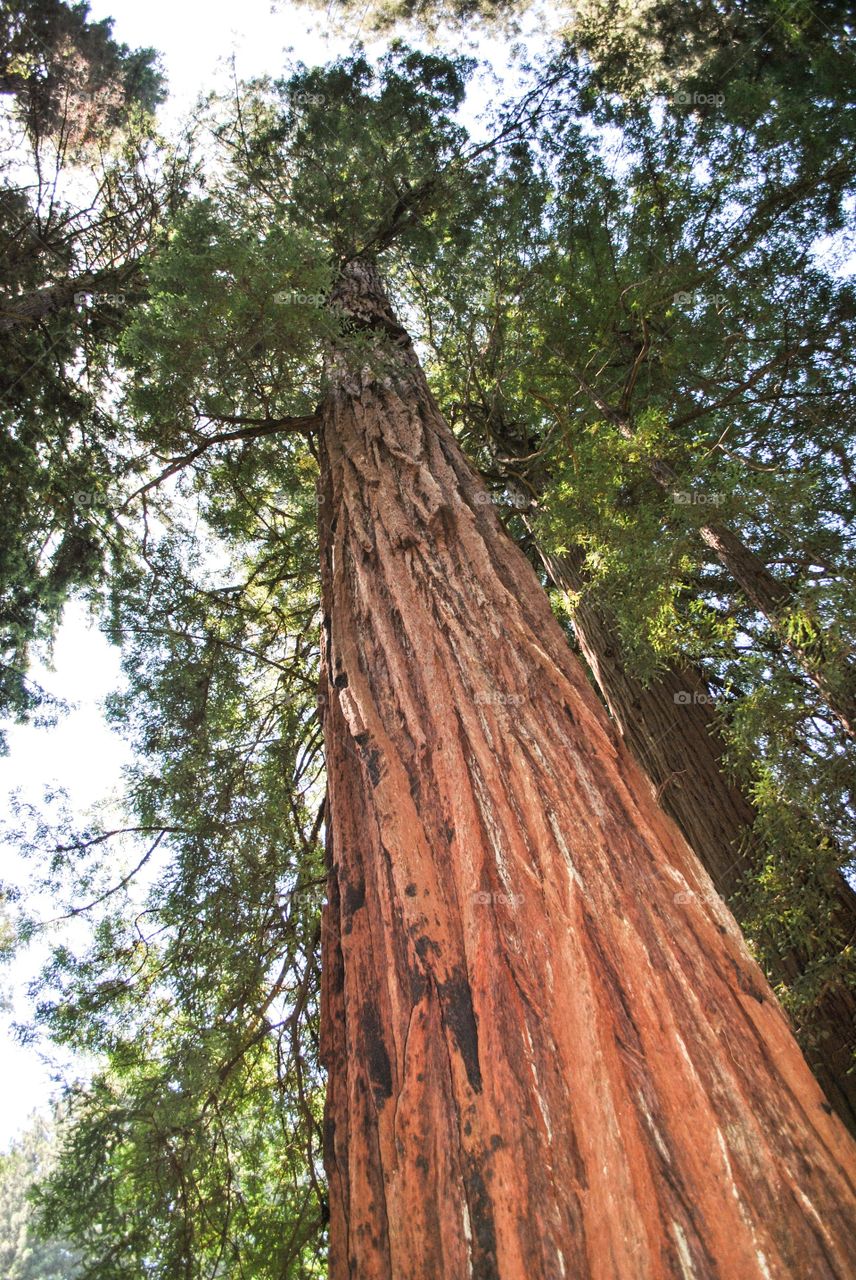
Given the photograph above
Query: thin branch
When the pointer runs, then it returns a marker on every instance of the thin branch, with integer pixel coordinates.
(254, 428)
(79, 911)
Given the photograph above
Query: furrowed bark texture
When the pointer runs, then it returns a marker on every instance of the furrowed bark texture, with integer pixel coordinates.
(549, 1052)
(670, 727)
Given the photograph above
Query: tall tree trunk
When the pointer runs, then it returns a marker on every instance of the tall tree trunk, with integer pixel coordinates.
(549, 1052)
(670, 726)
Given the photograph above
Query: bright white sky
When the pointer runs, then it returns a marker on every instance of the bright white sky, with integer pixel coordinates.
(85, 757)
(197, 40)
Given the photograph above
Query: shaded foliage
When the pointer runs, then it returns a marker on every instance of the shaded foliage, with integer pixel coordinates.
(69, 78)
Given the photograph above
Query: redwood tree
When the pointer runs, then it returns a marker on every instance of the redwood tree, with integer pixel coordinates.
(549, 1051)
(670, 724)
(581, 343)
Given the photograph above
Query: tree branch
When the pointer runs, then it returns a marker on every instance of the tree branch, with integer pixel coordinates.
(253, 428)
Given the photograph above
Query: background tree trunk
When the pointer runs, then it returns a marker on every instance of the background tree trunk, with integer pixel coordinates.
(670, 726)
(29, 308)
(549, 1052)
(830, 671)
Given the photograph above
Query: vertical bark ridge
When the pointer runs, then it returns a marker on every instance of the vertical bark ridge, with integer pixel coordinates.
(670, 727)
(549, 1052)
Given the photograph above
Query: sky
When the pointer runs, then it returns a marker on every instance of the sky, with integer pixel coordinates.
(83, 755)
(197, 41)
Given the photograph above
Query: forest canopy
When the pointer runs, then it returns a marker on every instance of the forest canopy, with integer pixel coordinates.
(629, 283)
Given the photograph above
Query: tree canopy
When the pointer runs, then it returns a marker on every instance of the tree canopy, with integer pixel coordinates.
(635, 310)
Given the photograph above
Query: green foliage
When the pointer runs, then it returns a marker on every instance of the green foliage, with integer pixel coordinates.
(357, 154)
(70, 79)
(260, 351)
(789, 53)
(154, 1183)
(194, 1149)
(70, 275)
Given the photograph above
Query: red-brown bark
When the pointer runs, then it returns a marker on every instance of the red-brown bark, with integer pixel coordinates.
(670, 726)
(549, 1052)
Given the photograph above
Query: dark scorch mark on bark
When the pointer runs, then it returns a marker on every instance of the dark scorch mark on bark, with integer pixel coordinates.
(353, 897)
(484, 1260)
(370, 757)
(375, 1054)
(457, 1005)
